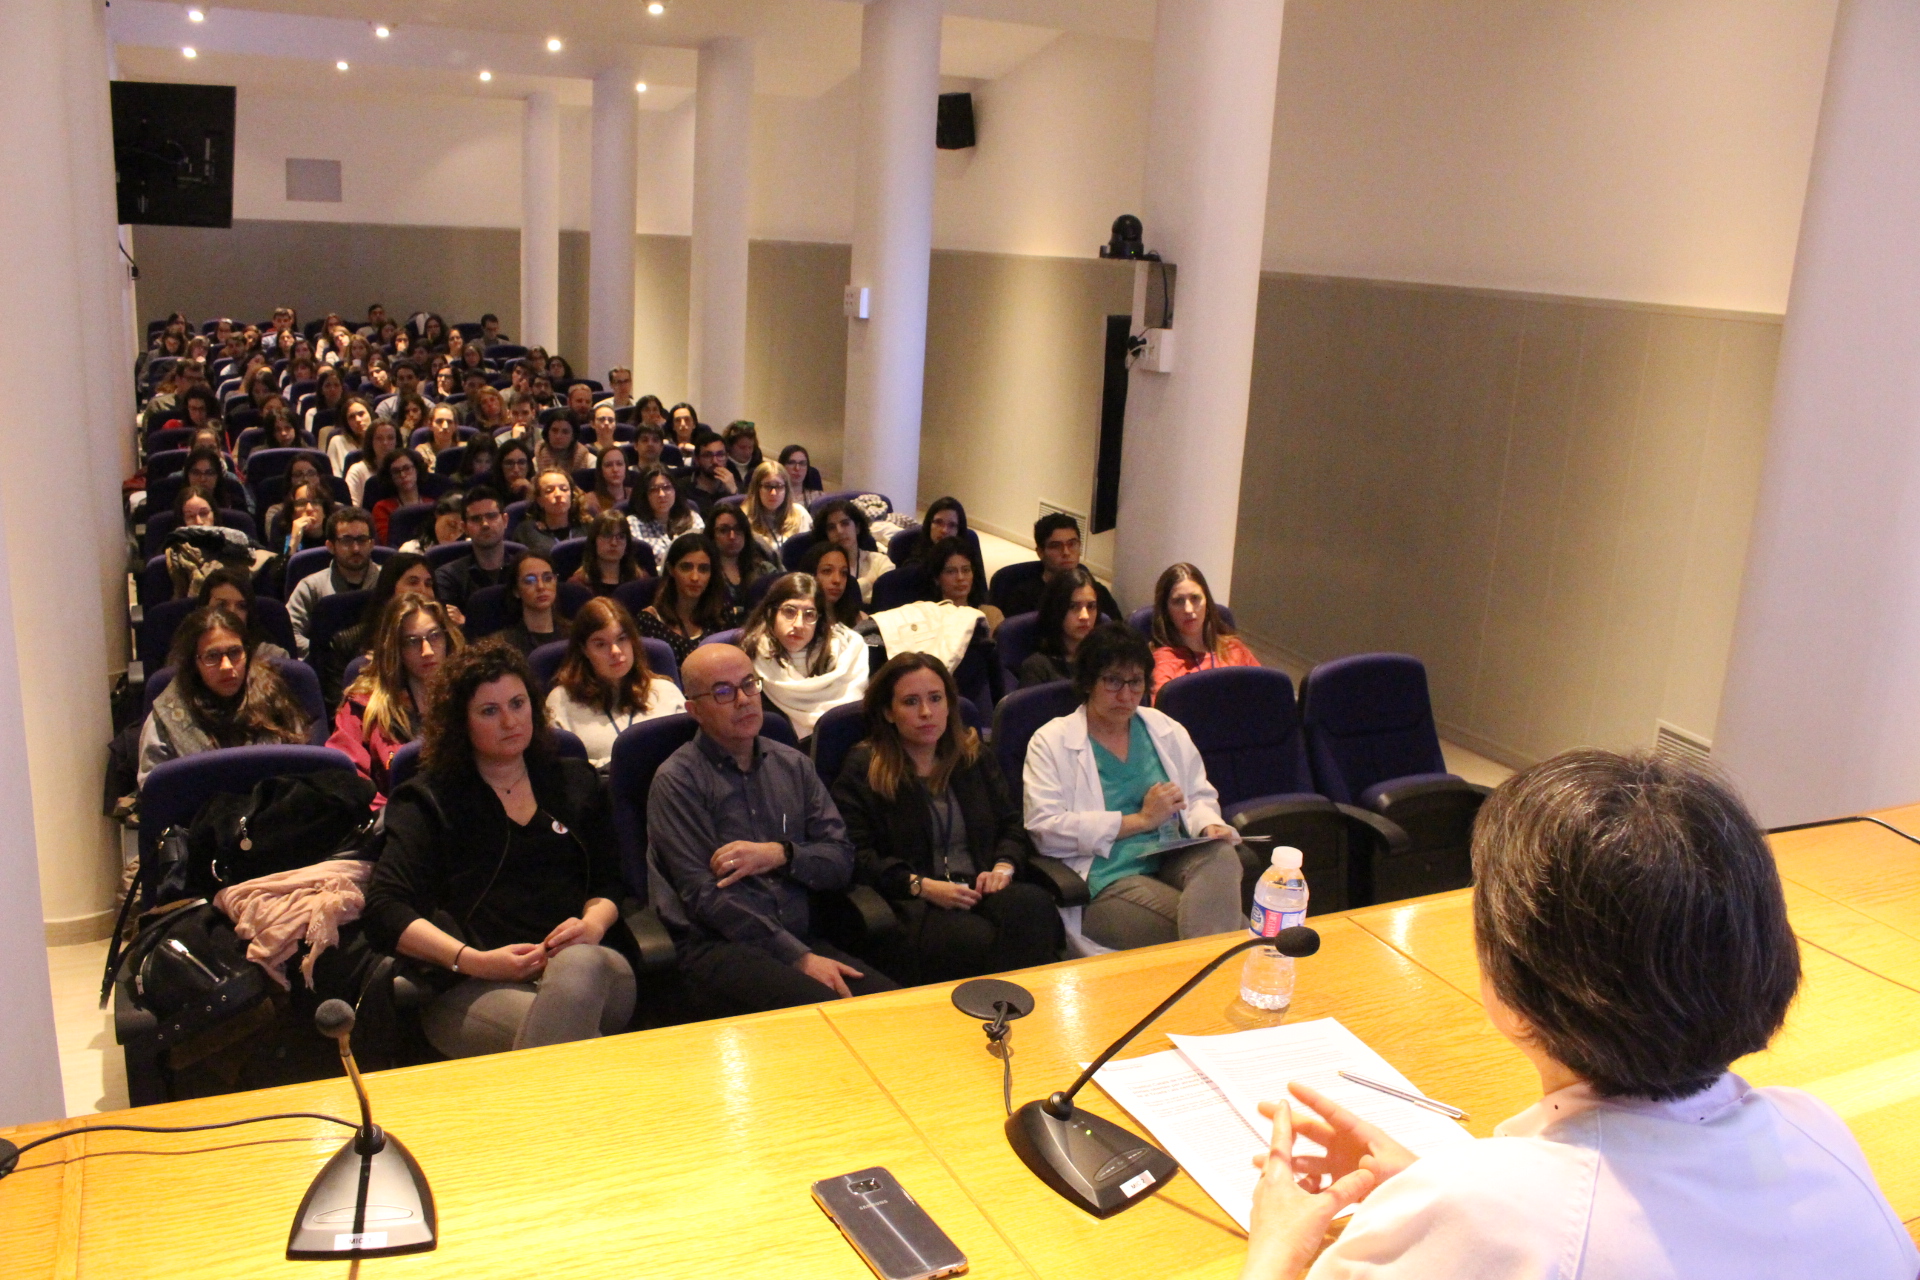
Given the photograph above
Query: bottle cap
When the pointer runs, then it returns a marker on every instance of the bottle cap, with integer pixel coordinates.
(1287, 858)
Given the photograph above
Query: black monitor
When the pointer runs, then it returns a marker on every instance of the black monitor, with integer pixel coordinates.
(173, 153)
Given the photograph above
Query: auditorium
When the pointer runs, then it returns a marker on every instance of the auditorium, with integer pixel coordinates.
(1163, 638)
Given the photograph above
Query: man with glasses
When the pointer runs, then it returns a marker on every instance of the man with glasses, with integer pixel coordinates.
(740, 830)
(620, 392)
(1056, 536)
(485, 564)
(350, 539)
(709, 479)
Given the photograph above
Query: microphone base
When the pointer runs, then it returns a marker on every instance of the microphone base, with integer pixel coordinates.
(1090, 1161)
(399, 1215)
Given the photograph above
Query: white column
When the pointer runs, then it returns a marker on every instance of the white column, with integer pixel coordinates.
(892, 246)
(1209, 136)
(722, 164)
(57, 860)
(616, 179)
(540, 223)
(1816, 718)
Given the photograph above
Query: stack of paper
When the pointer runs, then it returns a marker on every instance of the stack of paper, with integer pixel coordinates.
(1200, 1100)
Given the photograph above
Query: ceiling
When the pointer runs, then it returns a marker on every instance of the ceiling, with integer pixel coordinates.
(802, 48)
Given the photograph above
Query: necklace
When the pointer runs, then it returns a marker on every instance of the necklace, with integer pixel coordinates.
(507, 791)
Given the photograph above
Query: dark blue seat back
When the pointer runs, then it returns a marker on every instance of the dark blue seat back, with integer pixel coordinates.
(730, 636)
(487, 612)
(1015, 639)
(567, 555)
(161, 438)
(1246, 725)
(1141, 619)
(1010, 577)
(1367, 719)
(404, 523)
(333, 614)
(406, 761)
(167, 462)
(795, 549)
(447, 461)
(301, 682)
(901, 586)
(834, 735)
(545, 661)
(636, 595)
(660, 659)
(1019, 716)
(263, 463)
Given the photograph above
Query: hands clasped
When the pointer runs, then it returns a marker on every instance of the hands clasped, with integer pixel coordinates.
(735, 860)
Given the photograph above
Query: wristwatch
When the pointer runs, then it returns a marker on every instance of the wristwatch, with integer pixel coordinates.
(913, 886)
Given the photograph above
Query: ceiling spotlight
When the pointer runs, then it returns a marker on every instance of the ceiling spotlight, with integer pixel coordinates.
(553, 44)
(640, 87)
(382, 32)
(656, 8)
(189, 52)
(485, 76)
(340, 65)
(196, 15)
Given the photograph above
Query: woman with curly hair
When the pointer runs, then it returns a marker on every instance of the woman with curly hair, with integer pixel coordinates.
(498, 867)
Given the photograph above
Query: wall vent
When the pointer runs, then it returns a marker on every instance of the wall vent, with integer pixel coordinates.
(1050, 508)
(1676, 744)
(316, 180)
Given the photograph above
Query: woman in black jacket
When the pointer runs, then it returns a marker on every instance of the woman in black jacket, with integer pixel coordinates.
(935, 831)
(499, 867)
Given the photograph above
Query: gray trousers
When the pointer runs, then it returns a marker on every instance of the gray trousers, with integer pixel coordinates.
(585, 992)
(1196, 892)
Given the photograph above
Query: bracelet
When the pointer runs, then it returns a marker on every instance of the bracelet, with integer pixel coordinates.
(455, 966)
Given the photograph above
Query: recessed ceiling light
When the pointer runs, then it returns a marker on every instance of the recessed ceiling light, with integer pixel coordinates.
(553, 44)
(485, 76)
(656, 8)
(196, 15)
(340, 65)
(640, 87)
(382, 32)
(189, 52)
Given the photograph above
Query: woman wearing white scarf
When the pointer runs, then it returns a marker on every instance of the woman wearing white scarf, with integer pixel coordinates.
(807, 664)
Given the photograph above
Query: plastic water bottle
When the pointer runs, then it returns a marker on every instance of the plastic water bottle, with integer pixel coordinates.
(1279, 902)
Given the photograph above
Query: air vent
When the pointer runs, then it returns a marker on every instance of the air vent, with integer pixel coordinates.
(1054, 508)
(1680, 746)
(317, 180)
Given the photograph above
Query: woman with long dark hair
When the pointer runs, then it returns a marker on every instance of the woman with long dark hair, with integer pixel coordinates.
(609, 560)
(743, 561)
(659, 512)
(498, 867)
(936, 832)
(604, 685)
(828, 565)
(1069, 611)
(1188, 632)
(688, 603)
(807, 663)
(220, 696)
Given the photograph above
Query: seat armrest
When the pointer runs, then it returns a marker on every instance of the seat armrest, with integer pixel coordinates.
(656, 944)
(1060, 880)
(1385, 830)
(1242, 814)
(877, 919)
(1385, 795)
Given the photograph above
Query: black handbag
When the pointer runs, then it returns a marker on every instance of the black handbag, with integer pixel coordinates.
(189, 969)
(283, 823)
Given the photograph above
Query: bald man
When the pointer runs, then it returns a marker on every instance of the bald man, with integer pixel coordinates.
(740, 830)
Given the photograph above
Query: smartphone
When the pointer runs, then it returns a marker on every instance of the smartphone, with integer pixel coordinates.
(887, 1227)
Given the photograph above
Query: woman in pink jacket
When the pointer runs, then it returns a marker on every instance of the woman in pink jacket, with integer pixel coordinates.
(383, 709)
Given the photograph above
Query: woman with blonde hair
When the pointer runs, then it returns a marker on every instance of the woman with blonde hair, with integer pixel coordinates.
(604, 685)
(383, 709)
(772, 513)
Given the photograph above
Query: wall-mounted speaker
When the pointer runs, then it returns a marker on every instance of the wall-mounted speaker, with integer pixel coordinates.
(173, 153)
(955, 130)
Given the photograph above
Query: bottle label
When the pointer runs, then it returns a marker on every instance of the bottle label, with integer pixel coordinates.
(1265, 922)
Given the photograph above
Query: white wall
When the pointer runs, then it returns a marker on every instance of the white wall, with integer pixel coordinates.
(1647, 150)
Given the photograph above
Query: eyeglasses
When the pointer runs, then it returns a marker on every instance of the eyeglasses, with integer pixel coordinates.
(353, 539)
(486, 517)
(214, 659)
(725, 694)
(1123, 684)
(798, 613)
(434, 639)
(538, 579)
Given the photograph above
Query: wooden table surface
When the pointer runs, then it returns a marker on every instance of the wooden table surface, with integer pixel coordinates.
(688, 1151)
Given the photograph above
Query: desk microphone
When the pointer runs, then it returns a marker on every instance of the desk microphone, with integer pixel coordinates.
(370, 1200)
(1092, 1161)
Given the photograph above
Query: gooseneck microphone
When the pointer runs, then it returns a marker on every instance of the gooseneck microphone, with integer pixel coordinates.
(370, 1200)
(1091, 1161)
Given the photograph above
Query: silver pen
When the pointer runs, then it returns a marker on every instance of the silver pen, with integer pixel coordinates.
(1417, 1099)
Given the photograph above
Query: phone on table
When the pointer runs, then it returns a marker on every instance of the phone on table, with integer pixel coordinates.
(887, 1227)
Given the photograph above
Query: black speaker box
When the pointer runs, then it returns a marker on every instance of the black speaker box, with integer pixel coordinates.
(173, 153)
(955, 132)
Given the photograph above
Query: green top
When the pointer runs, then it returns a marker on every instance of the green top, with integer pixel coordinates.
(1124, 784)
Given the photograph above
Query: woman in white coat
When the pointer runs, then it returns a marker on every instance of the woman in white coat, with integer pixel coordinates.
(1112, 786)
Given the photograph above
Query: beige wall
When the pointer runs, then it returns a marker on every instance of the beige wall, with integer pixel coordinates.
(1546, 500)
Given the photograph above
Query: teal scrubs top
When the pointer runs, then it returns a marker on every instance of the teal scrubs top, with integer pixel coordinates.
(1124, 784)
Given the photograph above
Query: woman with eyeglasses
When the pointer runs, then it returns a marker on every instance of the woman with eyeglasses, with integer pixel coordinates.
(300, 522)
(1110, 787)
(659, 512)
(609, 560)
(535, 592)
(218, 697)
(515, 469)
(604, 685)
(555, 515)
(383, 708)
(808, 664)
(400, 474)
(743, 561)
(688, 603)
(775, 517)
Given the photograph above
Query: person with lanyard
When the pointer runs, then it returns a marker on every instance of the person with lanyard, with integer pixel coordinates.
(604, 686)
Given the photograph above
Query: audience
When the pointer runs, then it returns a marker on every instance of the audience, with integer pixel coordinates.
(828, 566)
(445, 427)
(609, 560)
(604, 685)
(806, 662)
(708, 479)
(1188, 632)
(400, 478)
(534, 595)
(740, 831)
(797, 463)
(956, 583)
(485, 564)
(688, 603)
(559, 450)
(741, 562)
(446, 526)
(682, 422)
(513, 468)
(659, 513)
(300, 523)
(381, 711)
(231, 589)
(1069, 611)
(220, 695)
(1111, 784)
(934, 829)
(845, 525)
(743, 453)
(1056, 536)
(610, 491)
(351, 433)
(350, 541)
(538, 952)
(383, 438)
(404, 573)
(555, 515)
(775, 517)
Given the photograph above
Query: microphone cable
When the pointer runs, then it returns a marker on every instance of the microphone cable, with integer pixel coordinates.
(10, 1154)
(1000, 1045)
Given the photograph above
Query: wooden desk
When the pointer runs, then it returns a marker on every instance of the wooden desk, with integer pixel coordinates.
(688, 1151)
